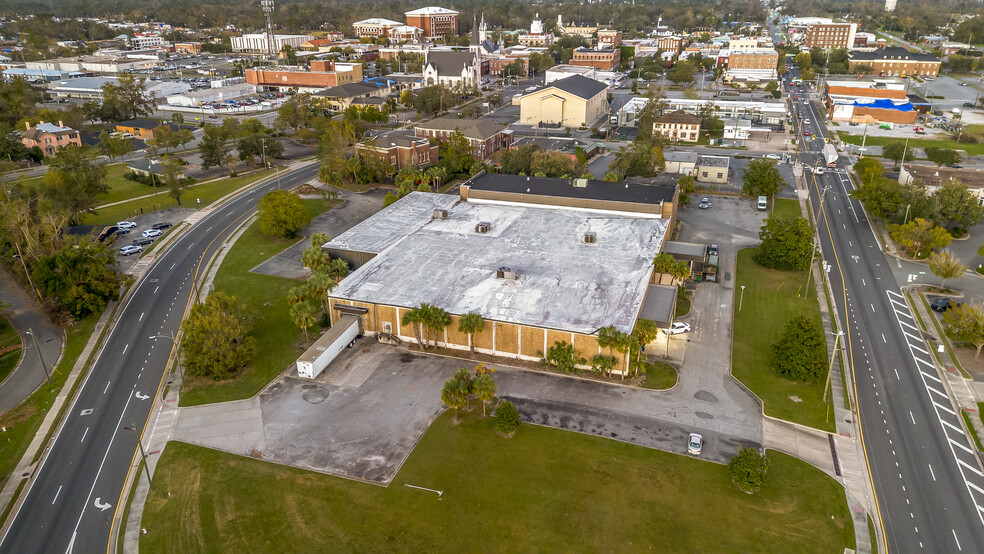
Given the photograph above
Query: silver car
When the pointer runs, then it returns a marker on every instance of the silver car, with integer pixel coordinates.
(695, 444)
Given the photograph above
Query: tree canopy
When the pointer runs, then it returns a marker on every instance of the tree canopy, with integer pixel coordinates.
(282, 214)
(801, 352)
(787, 244)
(762, 178)
(216, 341)
(80, 277)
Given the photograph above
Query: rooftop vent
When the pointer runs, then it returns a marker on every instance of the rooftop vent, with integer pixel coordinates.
(580, 183)
(440, 214)
(483, 227)
(590, 237)
(506, 273)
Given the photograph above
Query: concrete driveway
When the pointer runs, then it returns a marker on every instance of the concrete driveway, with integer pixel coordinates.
(354, 209)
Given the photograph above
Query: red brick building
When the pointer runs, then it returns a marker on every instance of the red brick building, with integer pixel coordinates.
(606, 59)
(831, 35)
(401, 151)
(895, 61)
(497, 65)
(485, 137)
(322, 74)
(436, 22)
(609, 38)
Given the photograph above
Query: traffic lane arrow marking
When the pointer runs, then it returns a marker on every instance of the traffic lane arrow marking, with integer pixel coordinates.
(141, 396)
(101, 506)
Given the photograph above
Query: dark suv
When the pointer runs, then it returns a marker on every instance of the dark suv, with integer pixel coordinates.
(943, 304)
(161, 225)
(141, 241)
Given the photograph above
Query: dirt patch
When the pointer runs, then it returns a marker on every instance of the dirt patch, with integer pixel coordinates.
(966, 358)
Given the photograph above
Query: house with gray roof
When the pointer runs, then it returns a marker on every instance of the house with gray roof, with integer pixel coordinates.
(452, 68)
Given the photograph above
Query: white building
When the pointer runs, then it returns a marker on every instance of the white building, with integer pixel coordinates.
(563, 71)
(158, 90)
(452, 68)
(196, 98)
(769, 113)
(257, 42)
(146, 41)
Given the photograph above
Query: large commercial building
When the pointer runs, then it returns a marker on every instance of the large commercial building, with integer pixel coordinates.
(572, 102)
(374, 27)
(321, 74)
(541, 260)
(831, 35)
(197, 98)
(863, 101)
(257, 42)
(93, 64)
(606, 59)
(895, 61)
(434, 21)
(609, 38)
(935, 177)
(768, 113)
(752, 65)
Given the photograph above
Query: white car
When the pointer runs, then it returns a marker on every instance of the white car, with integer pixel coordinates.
(818, 171)
(130, 249)
(695, 444)
(151, 233)
(678, 328)
(772, 156)
(126, 224)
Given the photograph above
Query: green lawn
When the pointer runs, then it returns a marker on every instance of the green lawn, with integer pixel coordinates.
(786, 207)
(971, 149)
(276, 335)
(682, 307)
(770, 298)
(659, 376)
(207, 192)
(22, 422)
(543, 490)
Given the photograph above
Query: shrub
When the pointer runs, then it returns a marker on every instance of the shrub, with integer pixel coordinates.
(506, 417)
(748, 469)
(801, 352)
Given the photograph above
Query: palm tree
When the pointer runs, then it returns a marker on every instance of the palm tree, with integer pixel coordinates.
(485, 389)
(467, 383)
(645, 332)
(436, 176)
(608, 337)
(304, 314)
(297, 295)
(314, 257)
(436, 319)
(319, 239)
(454, 394)
(414, 318)
(320, 285)
(337, 268)
(471, 323)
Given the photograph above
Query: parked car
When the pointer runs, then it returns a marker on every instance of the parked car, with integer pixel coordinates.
(943, 304)
(712, 250)
(964, 85)
(772, 156)
(150, 233)
(120, 231)
(705, 202)
(968, 105)
(161, 225)
(142, 241)
(126, 224)
(130, 249)
(678, 328)
(695, 444)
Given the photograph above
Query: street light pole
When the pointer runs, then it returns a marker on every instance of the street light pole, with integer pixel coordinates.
(143, 454)
(831, 366)
(741, 299)
(47, 375)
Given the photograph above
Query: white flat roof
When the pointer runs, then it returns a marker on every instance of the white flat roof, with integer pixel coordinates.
(563, 283)
(378, 21)
(431, 10)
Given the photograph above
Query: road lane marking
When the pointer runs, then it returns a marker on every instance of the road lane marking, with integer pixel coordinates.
(107, 387)
(912, 417)
(190, 245)
(955, 539)
(155, 289)
(884, 339)
(896, 375)
(970, 467)
(955, 443)
(124, 349)
(945, 409)
(84, 433)
(57, 493)
(141, 317)
(172, 266)
(872, 308)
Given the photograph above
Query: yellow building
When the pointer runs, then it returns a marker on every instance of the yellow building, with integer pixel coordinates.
(678, 125)
(574, 101)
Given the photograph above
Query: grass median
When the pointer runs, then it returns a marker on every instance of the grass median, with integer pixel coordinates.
(23, 421)
(277, 337)
(206, 192)
(970, 149)
(537, 491)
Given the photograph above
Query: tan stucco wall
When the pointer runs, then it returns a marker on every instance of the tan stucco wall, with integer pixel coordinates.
(566, 108)
(587, 346)
(484, 339)
(454, 335)
(506, 338)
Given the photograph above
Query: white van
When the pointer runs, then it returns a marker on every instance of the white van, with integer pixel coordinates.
(763, 204)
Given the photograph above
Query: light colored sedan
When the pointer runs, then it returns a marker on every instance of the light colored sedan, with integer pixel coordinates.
(129, 249)
(151, 233)
(678, 328)
(126, 224)
(695, 444)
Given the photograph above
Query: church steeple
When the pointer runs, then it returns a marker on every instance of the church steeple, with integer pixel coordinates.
(483, 30)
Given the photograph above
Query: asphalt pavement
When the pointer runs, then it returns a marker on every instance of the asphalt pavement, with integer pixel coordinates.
(25, 314)
(72, 499)
(928, 483)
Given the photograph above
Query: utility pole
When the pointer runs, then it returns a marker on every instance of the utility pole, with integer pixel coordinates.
(813, 247)
(143, 454)
(47, 375)
(830, 368)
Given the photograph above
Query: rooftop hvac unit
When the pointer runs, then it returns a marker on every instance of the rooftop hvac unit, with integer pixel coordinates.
(440, 214)
(590, 237)
(501, 272)
(580, 183)
(483, 227)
